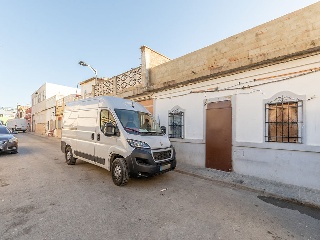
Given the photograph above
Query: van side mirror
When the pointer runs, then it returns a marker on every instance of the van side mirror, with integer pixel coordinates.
(163, 129)
(111, 130)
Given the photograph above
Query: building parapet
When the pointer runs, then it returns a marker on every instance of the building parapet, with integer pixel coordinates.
(120, 83)
(291, 36)
(62, 102)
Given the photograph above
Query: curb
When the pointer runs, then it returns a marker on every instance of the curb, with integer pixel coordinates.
(44, 136)
(290, 193)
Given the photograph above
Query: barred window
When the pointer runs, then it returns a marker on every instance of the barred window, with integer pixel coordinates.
(283, 121)
(176, 125)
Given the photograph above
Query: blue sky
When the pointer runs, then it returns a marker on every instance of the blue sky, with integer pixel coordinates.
(43, 41)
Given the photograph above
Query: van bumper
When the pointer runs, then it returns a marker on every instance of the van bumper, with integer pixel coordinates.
(141, 163)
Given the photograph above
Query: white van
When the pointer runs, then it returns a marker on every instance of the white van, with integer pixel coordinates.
(17, 124)
(117, 134)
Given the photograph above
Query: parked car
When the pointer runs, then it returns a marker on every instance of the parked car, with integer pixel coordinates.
(8, 142)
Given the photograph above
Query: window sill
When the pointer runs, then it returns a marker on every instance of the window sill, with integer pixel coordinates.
(279, 146)
(183, 140)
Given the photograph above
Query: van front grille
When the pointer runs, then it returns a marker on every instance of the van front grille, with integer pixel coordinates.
(162, 155)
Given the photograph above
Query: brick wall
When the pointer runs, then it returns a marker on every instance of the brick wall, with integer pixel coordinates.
(152, 57)
(148, 104)
(40, 128)
(297, 32)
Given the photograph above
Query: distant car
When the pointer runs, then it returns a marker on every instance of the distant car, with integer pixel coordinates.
(8, 142)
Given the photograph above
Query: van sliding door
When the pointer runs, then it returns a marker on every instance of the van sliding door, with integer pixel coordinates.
(86, 134)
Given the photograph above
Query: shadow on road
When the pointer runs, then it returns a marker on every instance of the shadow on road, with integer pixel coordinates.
(309, 211)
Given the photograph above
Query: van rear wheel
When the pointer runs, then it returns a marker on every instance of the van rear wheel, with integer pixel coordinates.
(119, 171)
(70, 160)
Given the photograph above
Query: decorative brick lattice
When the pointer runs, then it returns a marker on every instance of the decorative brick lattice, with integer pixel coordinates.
(125, 80)
(129, 79)
(104, 88)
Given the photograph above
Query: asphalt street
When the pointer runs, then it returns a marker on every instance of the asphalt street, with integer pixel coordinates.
(41, 197)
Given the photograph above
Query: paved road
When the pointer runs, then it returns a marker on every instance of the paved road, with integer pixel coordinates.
(41, 197)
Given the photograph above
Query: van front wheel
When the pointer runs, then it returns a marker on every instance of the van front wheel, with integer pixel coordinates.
(70, 160)
(119, 171)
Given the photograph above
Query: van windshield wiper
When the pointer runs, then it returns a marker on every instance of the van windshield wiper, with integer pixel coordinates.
(131, 129)
(151, 133)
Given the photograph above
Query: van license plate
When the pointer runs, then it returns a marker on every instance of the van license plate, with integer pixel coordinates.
(165, 167)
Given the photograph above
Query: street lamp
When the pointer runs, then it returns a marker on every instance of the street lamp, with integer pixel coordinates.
(82, 63)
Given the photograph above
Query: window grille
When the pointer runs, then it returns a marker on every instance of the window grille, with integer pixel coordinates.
(176, 125)
(283, 121)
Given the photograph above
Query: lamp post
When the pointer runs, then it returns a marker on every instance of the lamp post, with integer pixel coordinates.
(82, 63)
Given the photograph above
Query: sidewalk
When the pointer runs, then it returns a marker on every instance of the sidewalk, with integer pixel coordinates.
(45, 136)
(306, 196)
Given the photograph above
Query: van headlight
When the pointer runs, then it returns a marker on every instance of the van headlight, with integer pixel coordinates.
(137, 144)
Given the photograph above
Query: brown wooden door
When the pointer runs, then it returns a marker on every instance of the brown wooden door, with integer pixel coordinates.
(219, 136)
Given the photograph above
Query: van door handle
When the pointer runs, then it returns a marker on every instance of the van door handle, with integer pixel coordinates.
(98, 137)
(92, 136)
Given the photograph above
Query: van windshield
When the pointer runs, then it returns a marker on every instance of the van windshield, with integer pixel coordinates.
(138, 122)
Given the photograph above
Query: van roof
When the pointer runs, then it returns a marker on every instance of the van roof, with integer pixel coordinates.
(111, 102)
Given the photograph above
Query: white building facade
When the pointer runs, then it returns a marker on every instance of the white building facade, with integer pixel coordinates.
(44, 105)
(284, 146)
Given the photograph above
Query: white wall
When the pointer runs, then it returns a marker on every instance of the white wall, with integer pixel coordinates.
(248, 111)
(250, 108)
(193, 117)
(40, 117)
(291, 163)
(55, 89)
(301, 168)
(86, 88)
